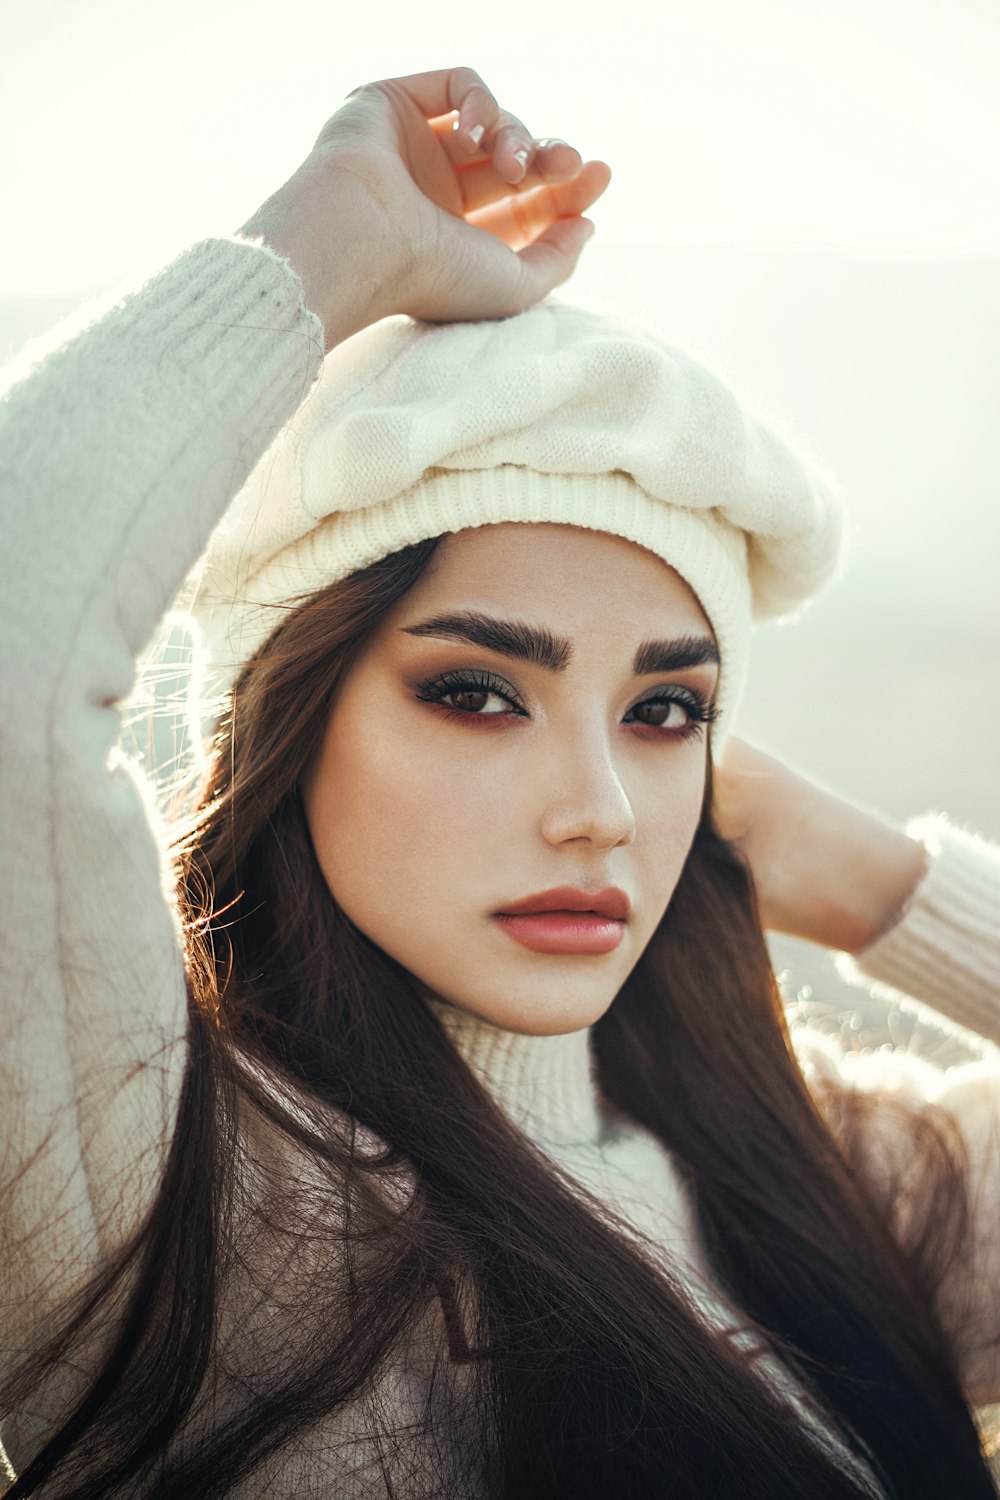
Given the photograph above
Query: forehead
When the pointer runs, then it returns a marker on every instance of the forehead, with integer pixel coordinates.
(559, 575)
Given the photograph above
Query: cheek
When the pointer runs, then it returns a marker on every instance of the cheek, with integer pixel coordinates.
(390, 824)
(666, 823)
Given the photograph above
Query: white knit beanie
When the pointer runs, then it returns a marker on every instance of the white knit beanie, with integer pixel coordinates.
(556, 415)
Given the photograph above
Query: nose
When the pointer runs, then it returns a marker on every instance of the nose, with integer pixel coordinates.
(588, 803)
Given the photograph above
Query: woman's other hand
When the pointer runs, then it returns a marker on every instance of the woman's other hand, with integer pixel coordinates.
(824, 869)
(395, 210)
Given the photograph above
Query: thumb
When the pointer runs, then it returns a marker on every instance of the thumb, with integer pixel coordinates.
(551, 259)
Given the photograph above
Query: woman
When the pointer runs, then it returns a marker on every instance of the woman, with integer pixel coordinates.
(343, 1175)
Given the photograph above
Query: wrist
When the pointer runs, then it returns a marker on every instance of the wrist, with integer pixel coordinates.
(320, 224)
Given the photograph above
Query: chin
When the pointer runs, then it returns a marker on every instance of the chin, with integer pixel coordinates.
(534, 1016)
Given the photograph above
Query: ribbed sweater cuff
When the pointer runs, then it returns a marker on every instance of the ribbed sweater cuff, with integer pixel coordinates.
(217, 310)
(945, 949)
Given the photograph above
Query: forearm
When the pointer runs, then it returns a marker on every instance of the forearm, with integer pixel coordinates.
(825, 869)
(946, 949)
(919, 909)
(122, 449)
(849, 876)
(119, 454)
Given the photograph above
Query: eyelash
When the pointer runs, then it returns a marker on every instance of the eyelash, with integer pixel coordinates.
(698, 709)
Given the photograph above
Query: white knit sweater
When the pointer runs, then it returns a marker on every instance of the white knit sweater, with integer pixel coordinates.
(119, 452)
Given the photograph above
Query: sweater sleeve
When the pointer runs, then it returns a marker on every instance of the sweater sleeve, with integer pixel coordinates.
(945, 953)
(945, 950)
(119, 452)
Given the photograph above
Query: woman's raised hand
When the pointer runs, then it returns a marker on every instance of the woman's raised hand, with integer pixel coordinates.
(824, 868)
(423, 196)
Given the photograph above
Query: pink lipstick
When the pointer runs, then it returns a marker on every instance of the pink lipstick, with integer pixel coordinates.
(567, 920)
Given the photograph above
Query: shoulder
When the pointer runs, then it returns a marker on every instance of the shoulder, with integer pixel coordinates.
(885, 1094)
(924, 1144)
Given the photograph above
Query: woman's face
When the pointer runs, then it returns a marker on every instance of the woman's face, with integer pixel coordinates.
(528, 722)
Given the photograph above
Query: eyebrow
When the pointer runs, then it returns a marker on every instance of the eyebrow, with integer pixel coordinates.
(674, 656)
(540, 648)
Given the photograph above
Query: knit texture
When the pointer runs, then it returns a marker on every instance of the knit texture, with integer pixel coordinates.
(119, 453)
(556, 415)
(120, 445)
(947, 951)
(545, 1085)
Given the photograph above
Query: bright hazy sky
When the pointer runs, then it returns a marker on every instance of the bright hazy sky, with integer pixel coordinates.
(869, 126)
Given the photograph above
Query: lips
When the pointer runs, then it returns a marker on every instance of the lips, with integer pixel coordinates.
(611, 902)
(567, 920)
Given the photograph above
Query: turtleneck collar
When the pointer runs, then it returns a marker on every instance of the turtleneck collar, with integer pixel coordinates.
(543, 1083)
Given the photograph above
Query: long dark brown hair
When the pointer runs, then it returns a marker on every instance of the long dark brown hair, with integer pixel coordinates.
(343, 1202)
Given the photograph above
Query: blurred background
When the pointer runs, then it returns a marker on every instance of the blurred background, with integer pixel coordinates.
(806, 196)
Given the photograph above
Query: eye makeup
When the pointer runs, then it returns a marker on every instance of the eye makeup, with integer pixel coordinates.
(698, 712)
(476, 687)
(472, 689)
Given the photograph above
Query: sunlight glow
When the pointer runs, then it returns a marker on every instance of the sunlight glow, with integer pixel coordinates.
(868, 127)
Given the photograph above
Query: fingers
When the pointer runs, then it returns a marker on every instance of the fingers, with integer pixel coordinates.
(436, 93)
(469, 122)
(564, 199)
(471, 113)
(481, 125)
(555, 160)
(507, 148)
(480, 183)
(549, 159)
(489, 149)
(476, 169)
(520, 218)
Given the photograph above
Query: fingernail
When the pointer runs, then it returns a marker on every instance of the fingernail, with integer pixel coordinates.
(476, 134)
(521, 157)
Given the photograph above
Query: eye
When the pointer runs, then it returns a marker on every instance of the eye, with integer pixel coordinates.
(677, 714)
(473, 700)
(664, 713)
(472, 694)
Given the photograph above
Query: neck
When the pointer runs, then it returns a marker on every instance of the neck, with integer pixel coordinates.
(543, 1083)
